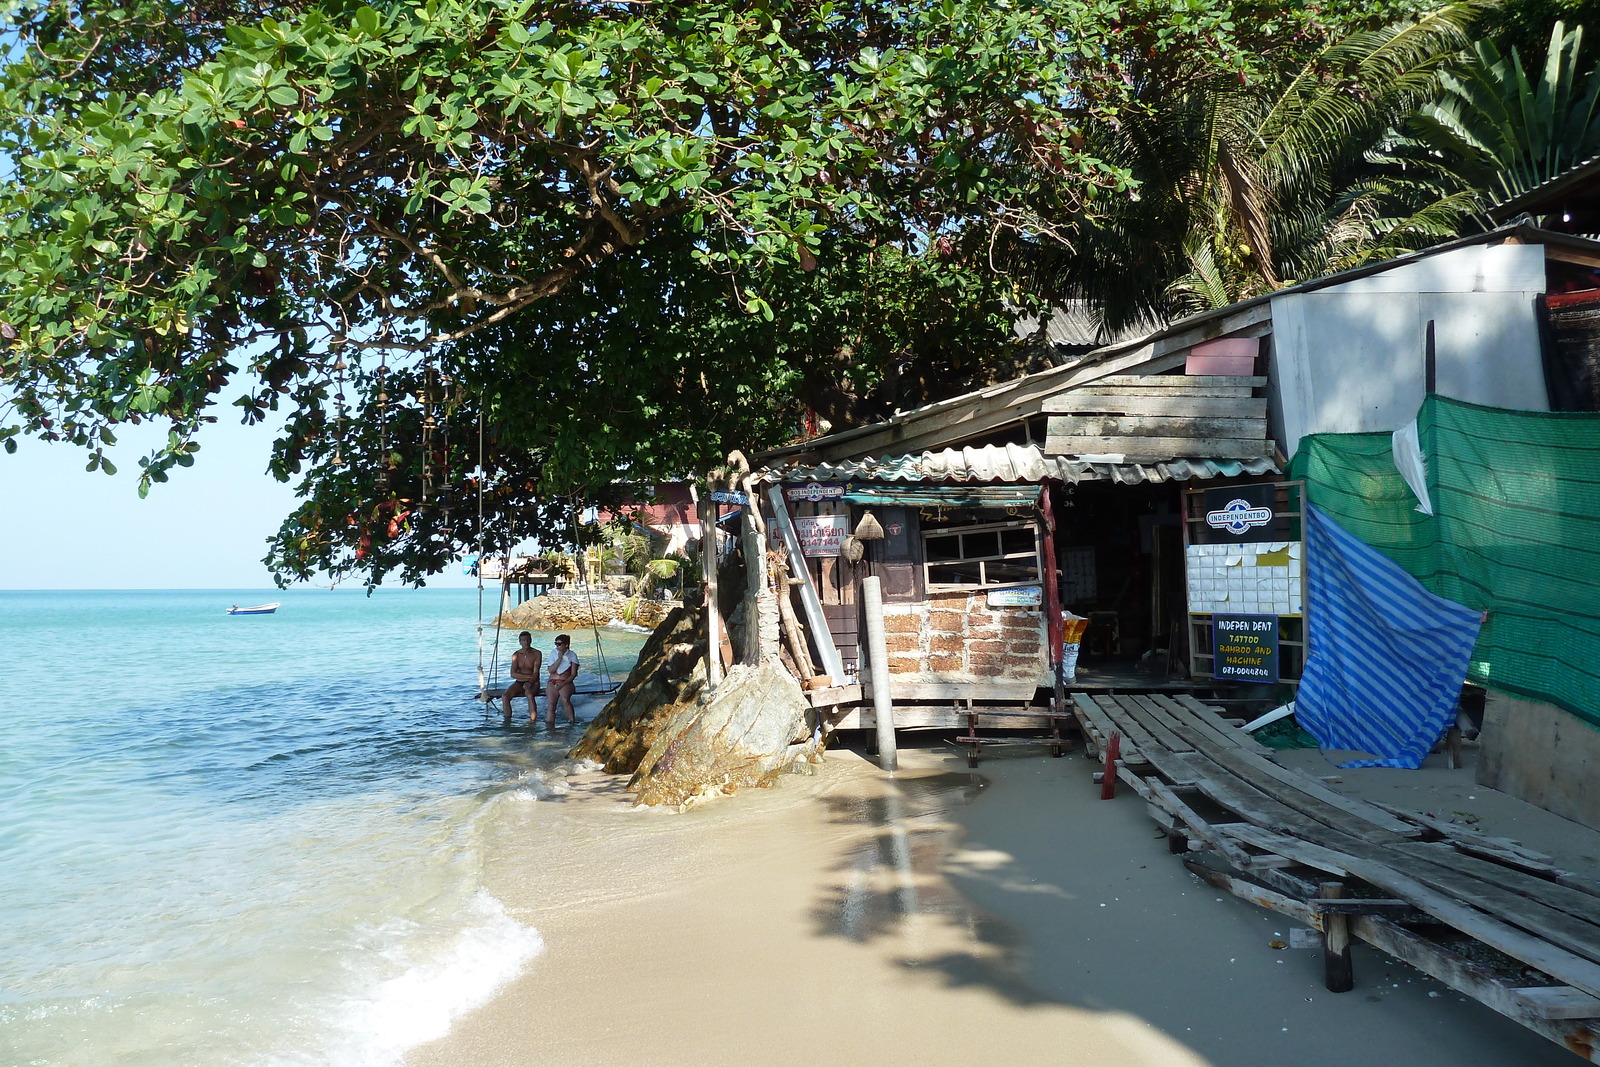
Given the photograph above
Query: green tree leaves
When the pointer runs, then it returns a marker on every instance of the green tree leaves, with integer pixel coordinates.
(225, 202)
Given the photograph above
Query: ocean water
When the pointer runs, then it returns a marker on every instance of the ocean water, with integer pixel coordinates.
(255, 840)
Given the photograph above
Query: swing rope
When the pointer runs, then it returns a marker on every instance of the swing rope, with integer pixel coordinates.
(588, 589)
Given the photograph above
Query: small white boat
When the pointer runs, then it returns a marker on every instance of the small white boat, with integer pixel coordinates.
(259, 609)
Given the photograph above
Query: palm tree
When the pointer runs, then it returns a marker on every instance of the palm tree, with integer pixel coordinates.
(1246, 186)
(1498, 131)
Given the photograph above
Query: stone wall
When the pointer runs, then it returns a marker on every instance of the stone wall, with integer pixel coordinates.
(958, 633)
(570, 609)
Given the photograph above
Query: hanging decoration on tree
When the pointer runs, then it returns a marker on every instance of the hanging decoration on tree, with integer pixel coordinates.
(341, 414)
(382, 477)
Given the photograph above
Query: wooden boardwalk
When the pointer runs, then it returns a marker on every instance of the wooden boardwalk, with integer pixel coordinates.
(1482, 915)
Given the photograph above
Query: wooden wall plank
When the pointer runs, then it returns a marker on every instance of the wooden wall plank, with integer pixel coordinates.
(943, 716)
(1179, 382)
(1074, 403)
(1158, 448)
(920, 687)
(1155, 426)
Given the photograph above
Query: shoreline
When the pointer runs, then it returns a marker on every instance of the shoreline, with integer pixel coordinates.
(939, 916)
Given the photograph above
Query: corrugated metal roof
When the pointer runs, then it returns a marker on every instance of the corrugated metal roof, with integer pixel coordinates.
(1527, 233)
(1541, 195)
(1017, 463)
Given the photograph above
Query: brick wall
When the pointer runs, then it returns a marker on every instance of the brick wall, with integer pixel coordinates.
(958, 633)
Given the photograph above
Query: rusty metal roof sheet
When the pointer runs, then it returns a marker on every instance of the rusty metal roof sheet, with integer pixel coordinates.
(1016, 463)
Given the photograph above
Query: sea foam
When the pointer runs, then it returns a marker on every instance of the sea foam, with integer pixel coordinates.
(437, 986)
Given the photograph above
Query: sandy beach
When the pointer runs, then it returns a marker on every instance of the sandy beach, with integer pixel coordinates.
(944, 915)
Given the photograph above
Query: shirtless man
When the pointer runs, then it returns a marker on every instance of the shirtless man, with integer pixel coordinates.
(525, 663)
(563, 669)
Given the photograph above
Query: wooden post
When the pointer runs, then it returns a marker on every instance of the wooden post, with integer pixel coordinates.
(1108, 784)
(708, 569)
(1054, 630)
(765, 618)
(820, 634)
(878, 664)
(1338, 973)
(791, 625)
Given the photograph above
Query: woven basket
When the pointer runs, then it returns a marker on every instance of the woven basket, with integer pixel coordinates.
(869, 528)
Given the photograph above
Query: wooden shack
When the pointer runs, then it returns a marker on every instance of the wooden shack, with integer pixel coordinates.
(1003, 510)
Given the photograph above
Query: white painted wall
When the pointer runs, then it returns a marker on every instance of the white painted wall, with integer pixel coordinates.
(1349, 358)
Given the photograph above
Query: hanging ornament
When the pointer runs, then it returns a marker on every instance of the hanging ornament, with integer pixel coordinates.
(382, 477)
(340, 418)
(446, 494)
(425, 395)
(869, 528)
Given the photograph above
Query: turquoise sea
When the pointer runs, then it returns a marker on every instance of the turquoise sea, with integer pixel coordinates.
(254, 840)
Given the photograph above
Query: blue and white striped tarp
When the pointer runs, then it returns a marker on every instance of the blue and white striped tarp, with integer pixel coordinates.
(1387, 658)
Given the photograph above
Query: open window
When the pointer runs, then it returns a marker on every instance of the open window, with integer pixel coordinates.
(981, 555)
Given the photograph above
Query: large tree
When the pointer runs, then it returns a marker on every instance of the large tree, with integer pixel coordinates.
(280, 205)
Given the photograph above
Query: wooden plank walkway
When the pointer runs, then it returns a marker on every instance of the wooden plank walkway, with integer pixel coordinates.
(1483, 915)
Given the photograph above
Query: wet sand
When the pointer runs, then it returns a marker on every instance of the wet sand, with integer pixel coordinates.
(941, 916)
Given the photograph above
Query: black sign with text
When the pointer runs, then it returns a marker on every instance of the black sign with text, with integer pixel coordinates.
(1239, 514)
(1245, 647)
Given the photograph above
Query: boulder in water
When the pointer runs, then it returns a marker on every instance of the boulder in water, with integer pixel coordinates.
(746, 732)
(668, 676)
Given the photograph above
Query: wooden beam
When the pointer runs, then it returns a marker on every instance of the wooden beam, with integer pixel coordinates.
(1535, 950)
(1158, 448)
(1247, 890)
(1558, 1002)
(1165, 384)
(709, 511)
(833, 696)
(821, 636)
(1571, 255)
(1119, 403)
(935, 716)
(910, 687)
(1094, 721)
(1133, 732)
(1206, 718)
(1246, 753)
(1502, 850)
(1155, 426)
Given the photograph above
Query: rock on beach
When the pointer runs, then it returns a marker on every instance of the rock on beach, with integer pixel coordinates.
(577, 609)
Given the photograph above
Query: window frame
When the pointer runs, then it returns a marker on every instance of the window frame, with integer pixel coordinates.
(1031, 526)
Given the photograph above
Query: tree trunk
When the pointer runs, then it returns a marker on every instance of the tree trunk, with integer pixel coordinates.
(669, 676)
(683, 742)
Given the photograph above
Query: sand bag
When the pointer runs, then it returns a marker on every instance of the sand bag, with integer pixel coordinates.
(1072, 627)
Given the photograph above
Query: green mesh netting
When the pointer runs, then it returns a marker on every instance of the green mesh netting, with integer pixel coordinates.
(1283, 735)
(1515, 530)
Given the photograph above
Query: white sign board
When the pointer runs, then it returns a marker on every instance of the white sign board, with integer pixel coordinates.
(814, 492)
(1026, 596)
(821, 535)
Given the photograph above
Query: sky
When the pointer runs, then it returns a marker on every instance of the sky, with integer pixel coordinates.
(205, 528)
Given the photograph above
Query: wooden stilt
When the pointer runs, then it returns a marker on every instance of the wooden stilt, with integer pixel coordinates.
(708, 559)
(1108, 784)
(1338, 972)
(878, 664)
